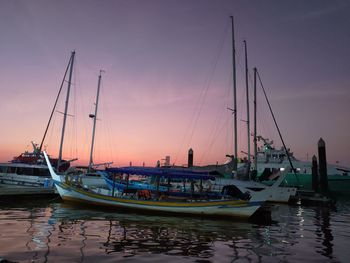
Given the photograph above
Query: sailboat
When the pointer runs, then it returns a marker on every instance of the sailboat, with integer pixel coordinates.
(89, 176)
(278, 194)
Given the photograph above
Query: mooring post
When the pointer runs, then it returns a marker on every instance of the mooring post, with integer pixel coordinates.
(322, 166)
(190, 158)
(314, 174)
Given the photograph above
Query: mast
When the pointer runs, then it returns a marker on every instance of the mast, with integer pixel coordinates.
(94, 116)
(234, 95)
(65, 110)
(255, 118)
(247, 91)
(54, 106)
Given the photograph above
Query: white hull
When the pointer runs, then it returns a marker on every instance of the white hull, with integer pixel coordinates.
(277, 194)
(25, 180)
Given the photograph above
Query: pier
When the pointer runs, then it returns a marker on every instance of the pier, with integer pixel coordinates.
(15, 190)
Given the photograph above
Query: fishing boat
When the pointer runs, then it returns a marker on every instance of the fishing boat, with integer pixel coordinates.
(227, 206)
(118, 179)
(270, 160)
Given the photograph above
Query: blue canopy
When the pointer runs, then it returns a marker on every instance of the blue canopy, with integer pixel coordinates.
(164, 172)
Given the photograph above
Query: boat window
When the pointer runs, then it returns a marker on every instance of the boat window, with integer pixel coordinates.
(11, 169)
(24, 170)
(3, 169)
(41, 172)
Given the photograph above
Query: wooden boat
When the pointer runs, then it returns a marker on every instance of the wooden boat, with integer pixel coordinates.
(226, 206)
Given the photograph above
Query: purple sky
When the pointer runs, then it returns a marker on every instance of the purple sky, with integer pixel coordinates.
(168, 76)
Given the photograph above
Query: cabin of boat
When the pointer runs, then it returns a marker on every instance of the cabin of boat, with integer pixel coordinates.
(25, 174)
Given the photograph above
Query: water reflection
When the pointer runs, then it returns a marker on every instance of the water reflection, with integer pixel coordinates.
(48, 232)
(134, 234)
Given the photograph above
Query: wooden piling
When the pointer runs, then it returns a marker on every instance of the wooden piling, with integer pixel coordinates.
(315, 181)
(190, 158)
(322, 166)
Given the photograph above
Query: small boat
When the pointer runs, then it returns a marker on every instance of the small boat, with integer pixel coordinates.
(226, 206)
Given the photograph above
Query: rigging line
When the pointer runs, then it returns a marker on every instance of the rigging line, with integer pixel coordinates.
(279, 132)
(215, 128)
(219, 131)
(77, 91)
(108, 127)
(209, 80)
(54, 107)
(201, 99)
(74, 119)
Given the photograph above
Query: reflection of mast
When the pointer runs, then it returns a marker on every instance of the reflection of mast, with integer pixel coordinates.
(94, 116)
(82, 227)
(40, 235)
(66, 110)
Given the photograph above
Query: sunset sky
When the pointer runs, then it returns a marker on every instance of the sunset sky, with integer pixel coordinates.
(168, 76)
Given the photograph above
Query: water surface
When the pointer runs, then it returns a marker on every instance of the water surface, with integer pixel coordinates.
(52, 231)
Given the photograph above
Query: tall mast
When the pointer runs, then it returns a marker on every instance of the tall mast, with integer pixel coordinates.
(247, 92)
(94, 116)
(255, 135)
(234, 95)
(54, 107)
(65, 110)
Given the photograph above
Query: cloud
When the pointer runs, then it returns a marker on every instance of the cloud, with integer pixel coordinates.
(318, 12)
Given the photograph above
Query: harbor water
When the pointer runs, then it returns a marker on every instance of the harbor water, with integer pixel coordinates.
(52, 231)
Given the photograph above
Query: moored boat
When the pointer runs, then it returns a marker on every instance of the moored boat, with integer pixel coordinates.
(271, 160)
(227, 206)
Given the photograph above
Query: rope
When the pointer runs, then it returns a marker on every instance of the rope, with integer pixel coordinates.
(201, 100)
(279, 132)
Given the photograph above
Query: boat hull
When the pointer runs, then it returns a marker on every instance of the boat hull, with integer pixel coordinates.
(25, 180)
(221, 208)
(337, 184)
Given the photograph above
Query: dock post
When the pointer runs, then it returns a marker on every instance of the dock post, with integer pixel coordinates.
(314, 174)
(322, 166)
(190, 158)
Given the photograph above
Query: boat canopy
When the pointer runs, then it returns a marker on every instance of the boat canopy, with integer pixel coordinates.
(164, 172)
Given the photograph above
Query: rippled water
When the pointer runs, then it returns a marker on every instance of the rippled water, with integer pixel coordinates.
(42, 231)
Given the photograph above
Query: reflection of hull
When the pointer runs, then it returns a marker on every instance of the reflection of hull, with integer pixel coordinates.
(227, 208)
(338, 184)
